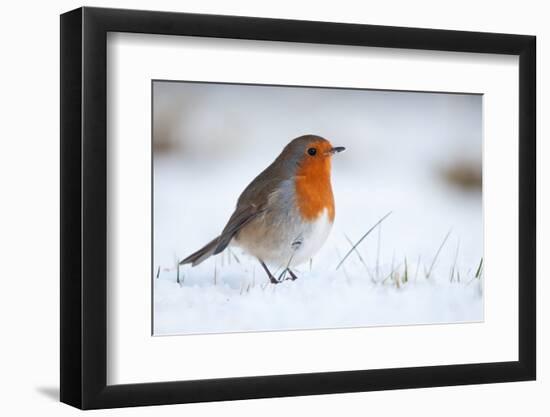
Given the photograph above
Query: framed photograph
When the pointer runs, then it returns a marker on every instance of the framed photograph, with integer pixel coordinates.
(256, 208)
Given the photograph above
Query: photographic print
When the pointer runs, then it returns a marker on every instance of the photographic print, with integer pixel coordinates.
(296, 207)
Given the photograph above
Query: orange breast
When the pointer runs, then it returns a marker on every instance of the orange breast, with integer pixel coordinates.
(313, 188)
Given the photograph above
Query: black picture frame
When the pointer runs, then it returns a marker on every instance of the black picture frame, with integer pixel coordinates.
(84, 207)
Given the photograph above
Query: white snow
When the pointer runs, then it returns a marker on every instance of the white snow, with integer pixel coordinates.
(226, 295)
(396, 143)
(240, 299)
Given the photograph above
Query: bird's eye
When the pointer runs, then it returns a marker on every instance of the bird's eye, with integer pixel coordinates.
(312, 151)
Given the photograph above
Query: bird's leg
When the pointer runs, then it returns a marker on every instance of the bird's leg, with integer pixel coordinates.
(272, 279)
(282, 275)
(295, 245)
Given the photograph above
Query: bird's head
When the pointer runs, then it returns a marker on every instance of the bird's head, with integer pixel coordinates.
(310, 154)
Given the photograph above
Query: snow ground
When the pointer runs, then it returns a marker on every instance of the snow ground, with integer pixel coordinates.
(229, 292)
(238, 303)
(397, 144)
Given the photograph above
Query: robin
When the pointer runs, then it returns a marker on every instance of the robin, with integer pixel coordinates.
(285, 214)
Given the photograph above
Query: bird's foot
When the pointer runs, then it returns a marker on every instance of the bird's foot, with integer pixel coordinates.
(274, 280)
(293, 276)
(283, 277)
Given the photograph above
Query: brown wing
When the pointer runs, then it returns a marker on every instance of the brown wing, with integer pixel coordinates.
(252, 202)
(241, 217)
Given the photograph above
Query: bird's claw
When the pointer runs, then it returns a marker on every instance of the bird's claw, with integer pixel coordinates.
(293, 276)
(283, 277)
(274, 280)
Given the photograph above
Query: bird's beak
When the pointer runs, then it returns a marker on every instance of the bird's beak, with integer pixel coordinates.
(337, 149)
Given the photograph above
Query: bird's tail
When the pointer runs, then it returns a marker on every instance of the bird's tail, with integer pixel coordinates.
(203, 253)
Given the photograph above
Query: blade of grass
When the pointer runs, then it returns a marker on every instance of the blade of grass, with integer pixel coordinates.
(254, 276)
(391, 273)
(361, 239)
(360, 258)
(343, 269)
(429, 272)
(478, 272)
(406, 274)
(453, 269)
(417, 267)
(378, 245)
(234, 256)
(397, 280)
(392, 260)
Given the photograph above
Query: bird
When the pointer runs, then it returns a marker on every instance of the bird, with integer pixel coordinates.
(284, 216)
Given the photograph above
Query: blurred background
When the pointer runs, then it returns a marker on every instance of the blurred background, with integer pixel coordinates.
(415, 154)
